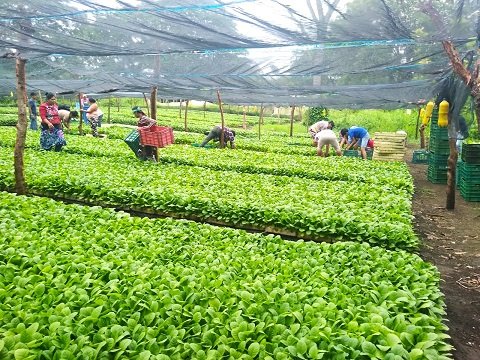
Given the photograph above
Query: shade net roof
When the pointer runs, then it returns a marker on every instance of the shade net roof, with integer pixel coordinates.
(333, 53)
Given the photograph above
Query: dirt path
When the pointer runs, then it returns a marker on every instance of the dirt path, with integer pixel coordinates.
(451, 241)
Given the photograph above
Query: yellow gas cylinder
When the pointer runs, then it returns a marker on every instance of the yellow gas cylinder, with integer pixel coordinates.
(423, 117)
(429, 110)
(443, 113)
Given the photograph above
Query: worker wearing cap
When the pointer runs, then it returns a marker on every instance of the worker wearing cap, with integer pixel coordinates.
(145, 152)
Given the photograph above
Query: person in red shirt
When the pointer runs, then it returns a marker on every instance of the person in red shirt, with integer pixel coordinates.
(145, 152)
(52, 135)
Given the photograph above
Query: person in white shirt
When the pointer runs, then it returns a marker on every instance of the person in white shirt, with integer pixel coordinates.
(319, 126)
(94, 116)
(326, 138)
(66, 116)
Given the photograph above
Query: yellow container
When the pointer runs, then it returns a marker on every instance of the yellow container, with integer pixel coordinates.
(423, 117)
(443, 113)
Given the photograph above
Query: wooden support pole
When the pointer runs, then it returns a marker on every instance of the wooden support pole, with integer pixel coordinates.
(180, 109)
(186, 111)
(146, 104)
(18, 163)
(418, 124)
(260, 121)
(109, 120)
(153, 103)
(80, 121)
(292, 113)
(244, 125)
(204, 108)
(222, 135)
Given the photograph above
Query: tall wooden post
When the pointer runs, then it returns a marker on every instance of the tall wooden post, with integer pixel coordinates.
(186, 111)
(244, 119)
(180, 109)
(109, 120)
(153, 103)
(418, 124)
(222, 135)
(292, 113)
(260, 119)
(20, 183)
(80, 121)
(204, 108)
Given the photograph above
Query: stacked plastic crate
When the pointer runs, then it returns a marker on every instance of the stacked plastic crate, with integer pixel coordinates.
(439, 152)
(469, 172)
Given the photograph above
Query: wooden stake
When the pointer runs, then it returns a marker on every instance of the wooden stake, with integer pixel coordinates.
(418, 124)
(260, 121)
(109, 107)
(153, 103)
(244, 119)
(222, 135)
(20, 183)
(180, 108)
(204, 108)
(292, 113)
(146, 104)
(80, 121)
(186, 111)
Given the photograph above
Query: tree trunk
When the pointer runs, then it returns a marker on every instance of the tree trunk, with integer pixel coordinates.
(153, 103)
(451, 174)
(20, 183)
(422, 137)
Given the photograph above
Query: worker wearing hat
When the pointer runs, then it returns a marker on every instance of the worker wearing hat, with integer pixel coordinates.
(145, 152)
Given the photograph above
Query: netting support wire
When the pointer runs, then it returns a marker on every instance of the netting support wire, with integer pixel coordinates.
(222, 135)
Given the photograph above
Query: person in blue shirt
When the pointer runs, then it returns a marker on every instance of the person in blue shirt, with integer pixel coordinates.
(32, 111)
(355, 136)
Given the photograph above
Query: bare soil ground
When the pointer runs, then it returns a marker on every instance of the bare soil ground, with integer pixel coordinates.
(451, 241)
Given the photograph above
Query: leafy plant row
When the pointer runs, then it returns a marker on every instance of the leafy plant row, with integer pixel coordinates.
(394, 174)
(313, 208)
(89, 283)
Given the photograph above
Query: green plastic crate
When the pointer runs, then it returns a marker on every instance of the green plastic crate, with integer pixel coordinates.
(420, 157)
(351, 153)
(207, 146)
(133, 141)
(471, 153)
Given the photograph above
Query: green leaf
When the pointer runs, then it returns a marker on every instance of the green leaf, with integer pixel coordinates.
(301, 346)
(369, 348)
(254, 349)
